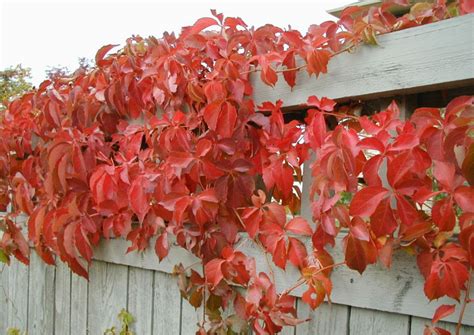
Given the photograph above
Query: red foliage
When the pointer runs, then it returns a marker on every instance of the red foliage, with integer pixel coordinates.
(162, 140)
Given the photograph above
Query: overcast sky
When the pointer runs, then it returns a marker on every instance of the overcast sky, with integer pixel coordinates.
(40, 34)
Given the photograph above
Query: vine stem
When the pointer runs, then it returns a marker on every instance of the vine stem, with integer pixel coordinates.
(466, 301)
(204, 298)
(302, 280)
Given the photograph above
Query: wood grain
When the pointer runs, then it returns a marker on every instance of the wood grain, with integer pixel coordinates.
(79, 303)
(370, 322)
(107, 296)
(166, 305)
(18, 295)
(140, 299)
(326, 319)
(62, 300)
(4, 305)
(40, 296)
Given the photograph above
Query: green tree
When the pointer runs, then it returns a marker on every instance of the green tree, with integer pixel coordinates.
(14, 81)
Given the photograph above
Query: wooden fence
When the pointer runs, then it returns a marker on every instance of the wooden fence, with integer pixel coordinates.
(50, 300)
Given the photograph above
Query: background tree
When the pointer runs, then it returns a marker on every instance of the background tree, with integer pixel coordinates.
(14, 81)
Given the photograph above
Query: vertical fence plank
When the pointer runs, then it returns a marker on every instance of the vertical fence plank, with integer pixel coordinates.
(166, 305)
(79, 305)
(190, 317)
(18, 295)
(40, 297)
(326, 319)
(140, 299)
(418, 325)
(4, 306)
(107, 295)
(366, 321)
(62, 300)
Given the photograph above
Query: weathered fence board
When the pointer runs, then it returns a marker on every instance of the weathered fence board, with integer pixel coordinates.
(154, 300)
(79, 302)
(433, 56)
(366, 321)
(140, 298)
(326, 319)
(18, 295)
(401, 286)
(107, 295)
(62, 300)
(166, 305)
(4, 305)
(190, 318)
(41, 296)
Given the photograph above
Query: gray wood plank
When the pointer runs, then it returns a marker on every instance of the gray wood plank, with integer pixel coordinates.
(4, 306)
(190, 318)
(79, 305)
(18, 296)
(140, 299)
(369, 322)
(418, 325)
(433, 56)
(326, 319)
(401, 286)
(166, 305)
(62, 299)
(107, 295)
(115, 251)
(40, 297)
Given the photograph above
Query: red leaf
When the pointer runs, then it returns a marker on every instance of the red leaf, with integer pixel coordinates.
(317, 61)
(99, 56)
(82, 244)
(383, 221)
(448, 273)
(252, 217)
(297, 252)
(365, 201)
(161, 246)
(444, 172)
(213, 271)
(317, 129)
(198, 26)
(407, 213)
(358, 229)
(466, 237)
(468, 165)
(289, 62)
(227, 120)
(299, 226)
(268, 75)
(324, 104)
(443, 214)
(138, 197)
(464, 196)
(442, 312)
(358, 253)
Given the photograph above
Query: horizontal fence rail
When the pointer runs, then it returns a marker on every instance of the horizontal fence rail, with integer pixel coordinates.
(434, 56)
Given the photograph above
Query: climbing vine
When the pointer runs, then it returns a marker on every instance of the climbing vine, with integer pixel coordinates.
(162, 143)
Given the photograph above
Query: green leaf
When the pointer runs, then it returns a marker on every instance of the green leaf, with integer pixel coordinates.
(4, 258)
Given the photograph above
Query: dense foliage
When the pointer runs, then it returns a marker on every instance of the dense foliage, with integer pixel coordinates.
(162, 142)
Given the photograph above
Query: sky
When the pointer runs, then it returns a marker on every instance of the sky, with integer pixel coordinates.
(42, 34)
